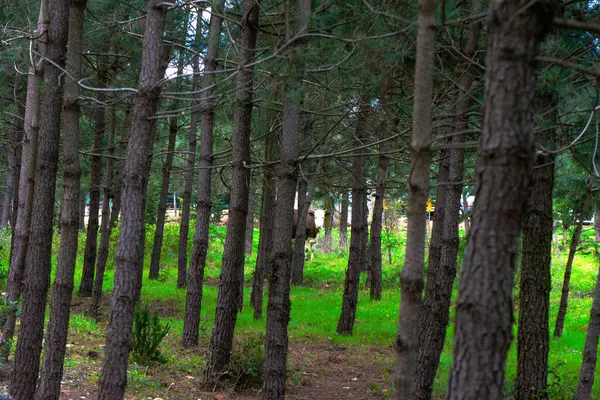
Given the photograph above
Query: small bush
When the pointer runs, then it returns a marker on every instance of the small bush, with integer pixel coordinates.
(148, 333)
(247, 361)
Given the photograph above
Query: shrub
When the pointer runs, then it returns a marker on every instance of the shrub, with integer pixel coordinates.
(247, 361)
(148, 333)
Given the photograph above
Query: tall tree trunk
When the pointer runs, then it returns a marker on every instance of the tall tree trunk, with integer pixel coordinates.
(193, 299)
(37, 261)
(130, 248)
(435, 311)
(265, 240)
(596, 222)
(344, 220)
(86, 285)
(7, 200)
(16, 272)
(250, 223)
(300, 234)
(564, 297)
(590, 349)
(188, 186)
(411, 279)
(357, 242)
(162, 202)
(62, 290)
(82, 206)
(327, 226)
(278, 308)
(229, 296)
(484, 313)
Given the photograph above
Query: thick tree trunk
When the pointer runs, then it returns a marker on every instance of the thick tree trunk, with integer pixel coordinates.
(344, 221)
(327, 226)
(278, 308)
(250, 223)
(162, 202)
(20, 243)
(86, 285)
(359, 227)
(564, 297)
(62, 290)
(193, 299)
(38, 262)
(484, 313)
(590, 349)
(411, 279)
(265, 240)
(229, 296)
(130, 248)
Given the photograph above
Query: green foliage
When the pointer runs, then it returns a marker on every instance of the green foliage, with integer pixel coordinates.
(148, 333)
(5, 238)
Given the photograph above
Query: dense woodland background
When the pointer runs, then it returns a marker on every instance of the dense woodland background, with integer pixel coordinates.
(263, 198)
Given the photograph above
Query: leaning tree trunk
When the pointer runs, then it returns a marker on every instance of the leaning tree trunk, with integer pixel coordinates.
(38, 259)
(86, 286)
(344, 221)
(193, 299)
(484, 312)
(359, 227)
(435, 310)
(411, 279)
(130, 247)
(162, 202)
(590, 349)
(229, 296)
(265, 240)
(62, 290)
(20, 243)
(278, 308)
(564, 297)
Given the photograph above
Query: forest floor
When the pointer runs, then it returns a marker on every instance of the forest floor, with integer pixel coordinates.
(321, 363)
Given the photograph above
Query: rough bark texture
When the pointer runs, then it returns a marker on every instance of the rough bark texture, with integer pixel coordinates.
(250, 223)
(130, 247)
(564, 297)
(20, 243)
(37, 262)
(376, 227)
(162, 201)
(484, 313)
(358, 228)
(411, 279)
(590, 349)
(232, 269)
(62, 289)
(86, 285)
(344, 221)
(265, 240)
(193, 300)
(278, 308)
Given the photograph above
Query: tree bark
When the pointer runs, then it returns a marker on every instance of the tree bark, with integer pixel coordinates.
(229, 296)
(250, 223)
(130, 247)
(37, 261)
(564, 297)
(597, 222)
(86, 285)
(20, 243)
(327, 226)
(300, 234)
(82, 205)
(62, 290)
(278, 308)
(359, 226)
(7, 200)
(484, 313)
(193, 300)
(344, 221)
(411, 279)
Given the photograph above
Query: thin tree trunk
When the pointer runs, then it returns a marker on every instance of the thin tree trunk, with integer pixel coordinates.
(193, 299)
(86, 285)
(357, 243)
(82, 206)
(466, 212)
(265, 240)
(62, 290)
(7, 201)
(564, 297)
(590, 349)
(250, 223)
(411, 279)
(484, 313)
(130, 248)
(37, 261)
(327, 225)
(300, 234)
(16, 272)
(278, 308)
(344, 221)
(596, 222)
(229, 296)
(162, 202)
